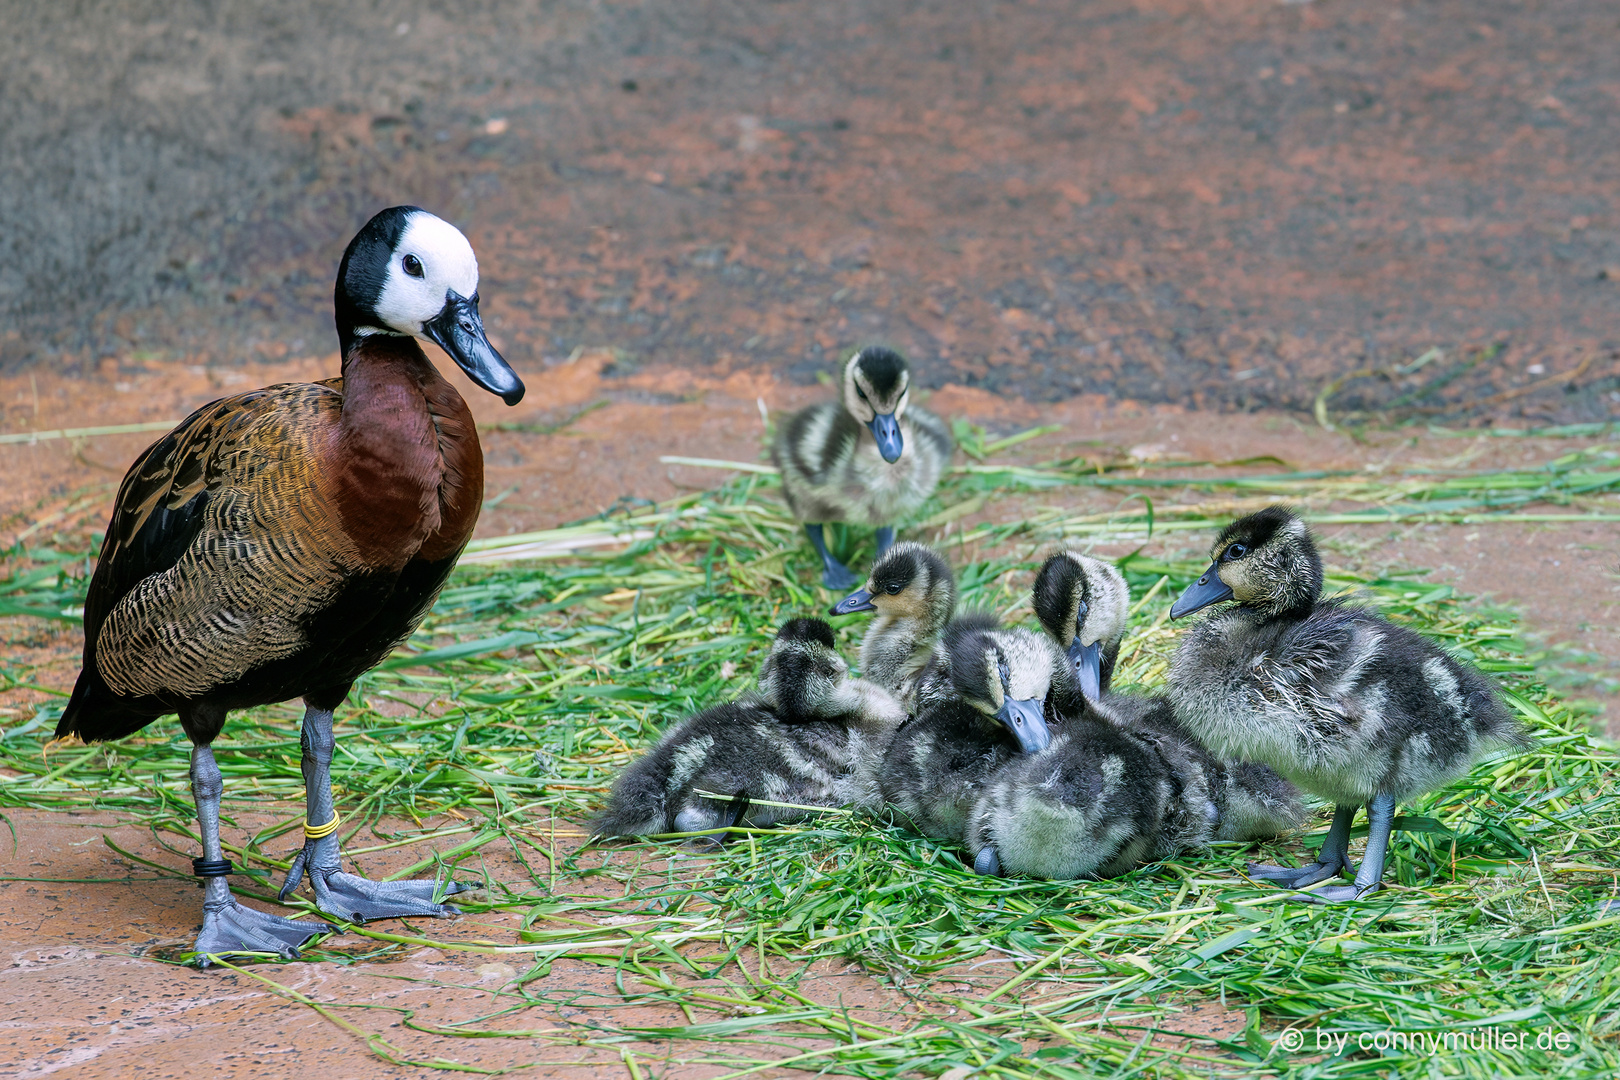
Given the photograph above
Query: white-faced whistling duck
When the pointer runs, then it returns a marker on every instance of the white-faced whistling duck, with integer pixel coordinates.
(279, 543)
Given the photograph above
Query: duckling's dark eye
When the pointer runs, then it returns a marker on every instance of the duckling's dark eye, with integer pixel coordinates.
(413, 265)
(892, 588)
(861, 393)
(1235, 551)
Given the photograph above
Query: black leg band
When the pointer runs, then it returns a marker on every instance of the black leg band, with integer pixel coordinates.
(209, 868)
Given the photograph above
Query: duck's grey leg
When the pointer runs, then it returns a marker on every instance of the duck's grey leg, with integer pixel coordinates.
(1380, 820)
(1335, 857)
(834, 574)
(988, 863)
(347, 896)
(885, 539)
(228, 928)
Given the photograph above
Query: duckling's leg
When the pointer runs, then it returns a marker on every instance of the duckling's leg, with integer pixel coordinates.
(348, 896)
(885, 539)
(1380, 820)
(228, 928)
(1335, 857)
(834, 574)
(988, 863)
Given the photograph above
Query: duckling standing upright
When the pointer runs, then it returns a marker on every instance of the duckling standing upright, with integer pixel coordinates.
(1337, 699)
(279, 543)
(796, 740)
(870, 459)
(913, 592)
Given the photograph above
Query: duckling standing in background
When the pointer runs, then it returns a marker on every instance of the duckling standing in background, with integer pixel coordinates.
(913, 592)
(1337, 699)
(796, 740)
(870, 459)
(1083, 603)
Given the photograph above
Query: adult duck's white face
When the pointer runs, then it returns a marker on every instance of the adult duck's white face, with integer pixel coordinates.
(409, 272)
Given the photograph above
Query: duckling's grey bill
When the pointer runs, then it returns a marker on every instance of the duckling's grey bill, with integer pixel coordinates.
(886, 430)
(1087, 661)
(459, 331)
(1208, 589)
(859, 600)
(1027, 721)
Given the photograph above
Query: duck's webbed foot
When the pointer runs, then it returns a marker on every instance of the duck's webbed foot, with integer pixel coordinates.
(987, 863)
(1298, 877)
(1334, 859)
(699, 818)
(358, 899)
(229, 929)
(1608, 907)
(834, 575)
(884, 539)
(1338, 894)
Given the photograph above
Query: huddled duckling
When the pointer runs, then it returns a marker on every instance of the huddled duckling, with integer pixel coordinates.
(795, 740)
(1001, 694)
(913, 592)
(1082, 602)
(1337, 699)
(870, 459)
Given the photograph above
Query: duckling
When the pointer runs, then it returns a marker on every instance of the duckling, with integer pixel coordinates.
(869, 460)
(1337, 699)
(913, 592)
(1082, 602)
(279, 543)
(795, 740)
(1002, 686)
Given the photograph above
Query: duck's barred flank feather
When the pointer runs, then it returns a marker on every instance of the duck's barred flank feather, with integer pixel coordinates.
(265, 554)
(246, 563)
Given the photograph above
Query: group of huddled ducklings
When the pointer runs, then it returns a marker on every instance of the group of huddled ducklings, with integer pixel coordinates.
(1013, 744)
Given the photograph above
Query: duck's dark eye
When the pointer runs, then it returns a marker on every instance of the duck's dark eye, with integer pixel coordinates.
(861, 393)
(413, 265)
(892, 588)
(1235, 551)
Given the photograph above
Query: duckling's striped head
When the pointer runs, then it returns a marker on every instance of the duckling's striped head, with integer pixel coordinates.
(910, 582)
(877, 388)
(1082, 602)
(1005, 674)
(1267, 562)
(409, 273)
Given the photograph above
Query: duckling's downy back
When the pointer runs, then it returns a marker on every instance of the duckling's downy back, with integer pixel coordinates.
(795, 741)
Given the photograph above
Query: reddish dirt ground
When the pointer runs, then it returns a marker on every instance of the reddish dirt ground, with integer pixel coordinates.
(1142, 219)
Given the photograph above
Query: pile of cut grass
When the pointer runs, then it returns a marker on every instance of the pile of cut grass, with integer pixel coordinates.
(533, 682)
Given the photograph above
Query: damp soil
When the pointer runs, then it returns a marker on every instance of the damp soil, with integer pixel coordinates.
(1166, 225)
(1224, 206)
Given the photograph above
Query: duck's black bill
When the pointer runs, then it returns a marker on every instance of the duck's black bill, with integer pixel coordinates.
(460, 332)
(1087, 661)
(859, 600)
(1207, 590)
(1027, 721)
(886, 430)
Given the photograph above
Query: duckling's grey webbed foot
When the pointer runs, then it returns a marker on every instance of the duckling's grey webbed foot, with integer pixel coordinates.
(1380, 820)
(358, 899)
(1334, 859)
(834, 574)
(229, 929)
(1608, 907)
(988, 863)
(885, 539)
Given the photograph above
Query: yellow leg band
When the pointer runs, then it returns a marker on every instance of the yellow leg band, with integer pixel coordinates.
(316, 832)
